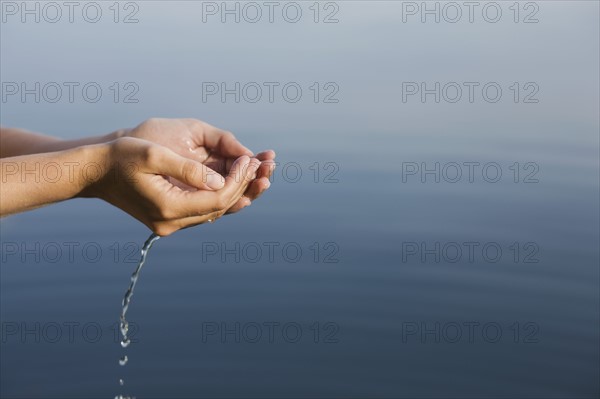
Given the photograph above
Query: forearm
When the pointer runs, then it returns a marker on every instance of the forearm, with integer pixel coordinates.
(16, 142)
(32, 181)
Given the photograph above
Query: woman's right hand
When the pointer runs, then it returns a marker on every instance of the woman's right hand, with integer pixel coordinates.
(136, 178)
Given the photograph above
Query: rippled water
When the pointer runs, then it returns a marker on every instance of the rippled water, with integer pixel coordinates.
(332, 284)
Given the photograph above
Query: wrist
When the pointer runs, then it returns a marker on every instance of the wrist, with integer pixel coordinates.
(95, 167)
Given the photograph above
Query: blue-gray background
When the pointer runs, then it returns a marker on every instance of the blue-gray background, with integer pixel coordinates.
(362, 215)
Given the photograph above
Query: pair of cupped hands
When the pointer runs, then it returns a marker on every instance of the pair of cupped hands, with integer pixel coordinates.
(176, 173)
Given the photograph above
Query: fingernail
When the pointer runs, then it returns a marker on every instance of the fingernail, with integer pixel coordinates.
(243, 159)
(215, 181)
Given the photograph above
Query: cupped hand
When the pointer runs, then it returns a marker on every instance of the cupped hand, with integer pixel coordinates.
(215, 148)
(138, 179)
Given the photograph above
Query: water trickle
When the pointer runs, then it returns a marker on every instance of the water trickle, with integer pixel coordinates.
(123, 324)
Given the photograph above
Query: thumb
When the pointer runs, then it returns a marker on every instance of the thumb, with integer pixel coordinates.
(190, 172)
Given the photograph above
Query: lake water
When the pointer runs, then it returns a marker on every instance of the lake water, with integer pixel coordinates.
(406, 248)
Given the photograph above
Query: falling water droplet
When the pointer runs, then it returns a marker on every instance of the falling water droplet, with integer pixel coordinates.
(124, 325)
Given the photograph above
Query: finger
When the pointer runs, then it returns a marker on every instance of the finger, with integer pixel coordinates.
(218, 163)
(223, 165)
(256, 188)
(241, 199)
(224, 143)
(202, 202)
(242, 177)
(266, 155)
(266, 169)
(262, 181)
(185, 223)
(254, 191)
(238, 206)
(186, 170)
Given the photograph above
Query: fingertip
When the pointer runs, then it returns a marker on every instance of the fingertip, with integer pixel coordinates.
(266, 155)
(265, 183)
(242, 160)
(267, 168)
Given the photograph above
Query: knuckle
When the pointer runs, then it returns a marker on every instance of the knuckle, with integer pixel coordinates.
(228, 135)
(194, 124)
(152, 155)
(122, 144)
(189, 171)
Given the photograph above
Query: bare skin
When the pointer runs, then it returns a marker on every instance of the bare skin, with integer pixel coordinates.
(168, 173)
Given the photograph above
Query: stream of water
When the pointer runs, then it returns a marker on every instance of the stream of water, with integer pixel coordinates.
(123, 324)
